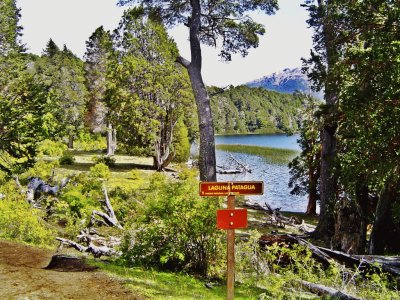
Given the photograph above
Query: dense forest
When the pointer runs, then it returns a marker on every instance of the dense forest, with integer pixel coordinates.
(132, 94)
(127, 80)
(255, 110)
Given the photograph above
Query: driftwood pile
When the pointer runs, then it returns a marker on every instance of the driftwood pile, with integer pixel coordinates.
(274, 217)
(234, 167)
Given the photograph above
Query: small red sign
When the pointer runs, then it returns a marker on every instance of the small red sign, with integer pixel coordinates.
(231, 218)
(231, 188)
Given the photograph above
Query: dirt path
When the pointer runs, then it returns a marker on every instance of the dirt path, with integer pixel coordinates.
(22, 276)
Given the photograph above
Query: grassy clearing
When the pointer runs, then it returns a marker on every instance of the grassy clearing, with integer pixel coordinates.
(154, 284)
(271, 155)
(129, 171)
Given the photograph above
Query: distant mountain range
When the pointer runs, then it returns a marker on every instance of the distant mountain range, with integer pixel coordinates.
(288, 81)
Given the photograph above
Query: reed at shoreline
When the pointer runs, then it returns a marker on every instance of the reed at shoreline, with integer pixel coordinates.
(272, 155)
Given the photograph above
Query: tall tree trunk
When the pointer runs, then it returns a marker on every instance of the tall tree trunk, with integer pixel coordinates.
(362, 198)
(328, 179)
(71, 141)
(328, 185)
(111, 140)
(349, 228)
(207, 160)
(381, 236)
(312, 193)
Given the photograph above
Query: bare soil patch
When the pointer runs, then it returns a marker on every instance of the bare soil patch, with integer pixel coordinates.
(23, 275)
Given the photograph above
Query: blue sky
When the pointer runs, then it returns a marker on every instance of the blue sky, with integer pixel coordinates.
(71, 22)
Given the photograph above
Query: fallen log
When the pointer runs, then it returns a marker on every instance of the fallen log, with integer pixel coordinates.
(366, 263)
(90, 235)
(109, 217)
(96, 251)
(322, 290)
(238, 168)
(242, 166)
(229, 171)
(288, 240)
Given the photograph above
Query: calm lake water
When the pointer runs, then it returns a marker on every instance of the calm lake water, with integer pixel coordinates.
(275, 177)
(265, 140)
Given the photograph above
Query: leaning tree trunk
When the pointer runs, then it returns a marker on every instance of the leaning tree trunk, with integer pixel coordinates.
(207, 160)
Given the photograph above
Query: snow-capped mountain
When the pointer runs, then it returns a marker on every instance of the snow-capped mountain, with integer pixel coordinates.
(288, 81)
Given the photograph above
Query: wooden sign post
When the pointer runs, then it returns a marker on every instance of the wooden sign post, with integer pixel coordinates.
(231, 218)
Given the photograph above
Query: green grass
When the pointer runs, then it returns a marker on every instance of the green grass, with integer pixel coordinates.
(154, 284)
(271, 155)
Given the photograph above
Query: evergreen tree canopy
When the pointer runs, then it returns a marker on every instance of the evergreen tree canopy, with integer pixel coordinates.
(148, 92)
(10, 30)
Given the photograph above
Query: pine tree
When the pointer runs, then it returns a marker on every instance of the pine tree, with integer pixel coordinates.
(148, 91)
(99, 55)
(209, 22)
(10, 30)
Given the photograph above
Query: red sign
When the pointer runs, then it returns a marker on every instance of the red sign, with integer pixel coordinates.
(231, 218)
(231, 188)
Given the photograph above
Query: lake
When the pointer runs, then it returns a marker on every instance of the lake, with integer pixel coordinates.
(275, 177)
(264, 140)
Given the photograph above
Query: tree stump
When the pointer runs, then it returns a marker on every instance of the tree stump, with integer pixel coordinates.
(67, 263)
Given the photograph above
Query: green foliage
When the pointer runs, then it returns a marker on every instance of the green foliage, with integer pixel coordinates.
(100, 171)
(23, 114)
(90, 142)
(99, 54)
(162, 95)
(63, 74)
(255, 110)
(67, 158)
(305, 168)
(181, 144)
(107, 160)
(10, 30)
(41, 169)
(21, 222)
(227, 22)
(275, 267)
(175, 229)
(76, 203)
(51, 148)
(360, 76)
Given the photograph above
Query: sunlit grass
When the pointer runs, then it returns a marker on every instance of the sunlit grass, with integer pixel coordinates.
(271, 155)
(154, 284)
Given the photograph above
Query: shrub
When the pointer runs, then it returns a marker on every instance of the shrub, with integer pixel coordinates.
(3, 177)
(175, 229)
(107, 160)
(52, 148)
(41, 169)
(181, 143)
(100, 171)
(90, 142)
(21, 222)
(67, 159)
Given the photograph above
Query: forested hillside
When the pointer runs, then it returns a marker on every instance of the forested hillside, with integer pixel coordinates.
(255, 110)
